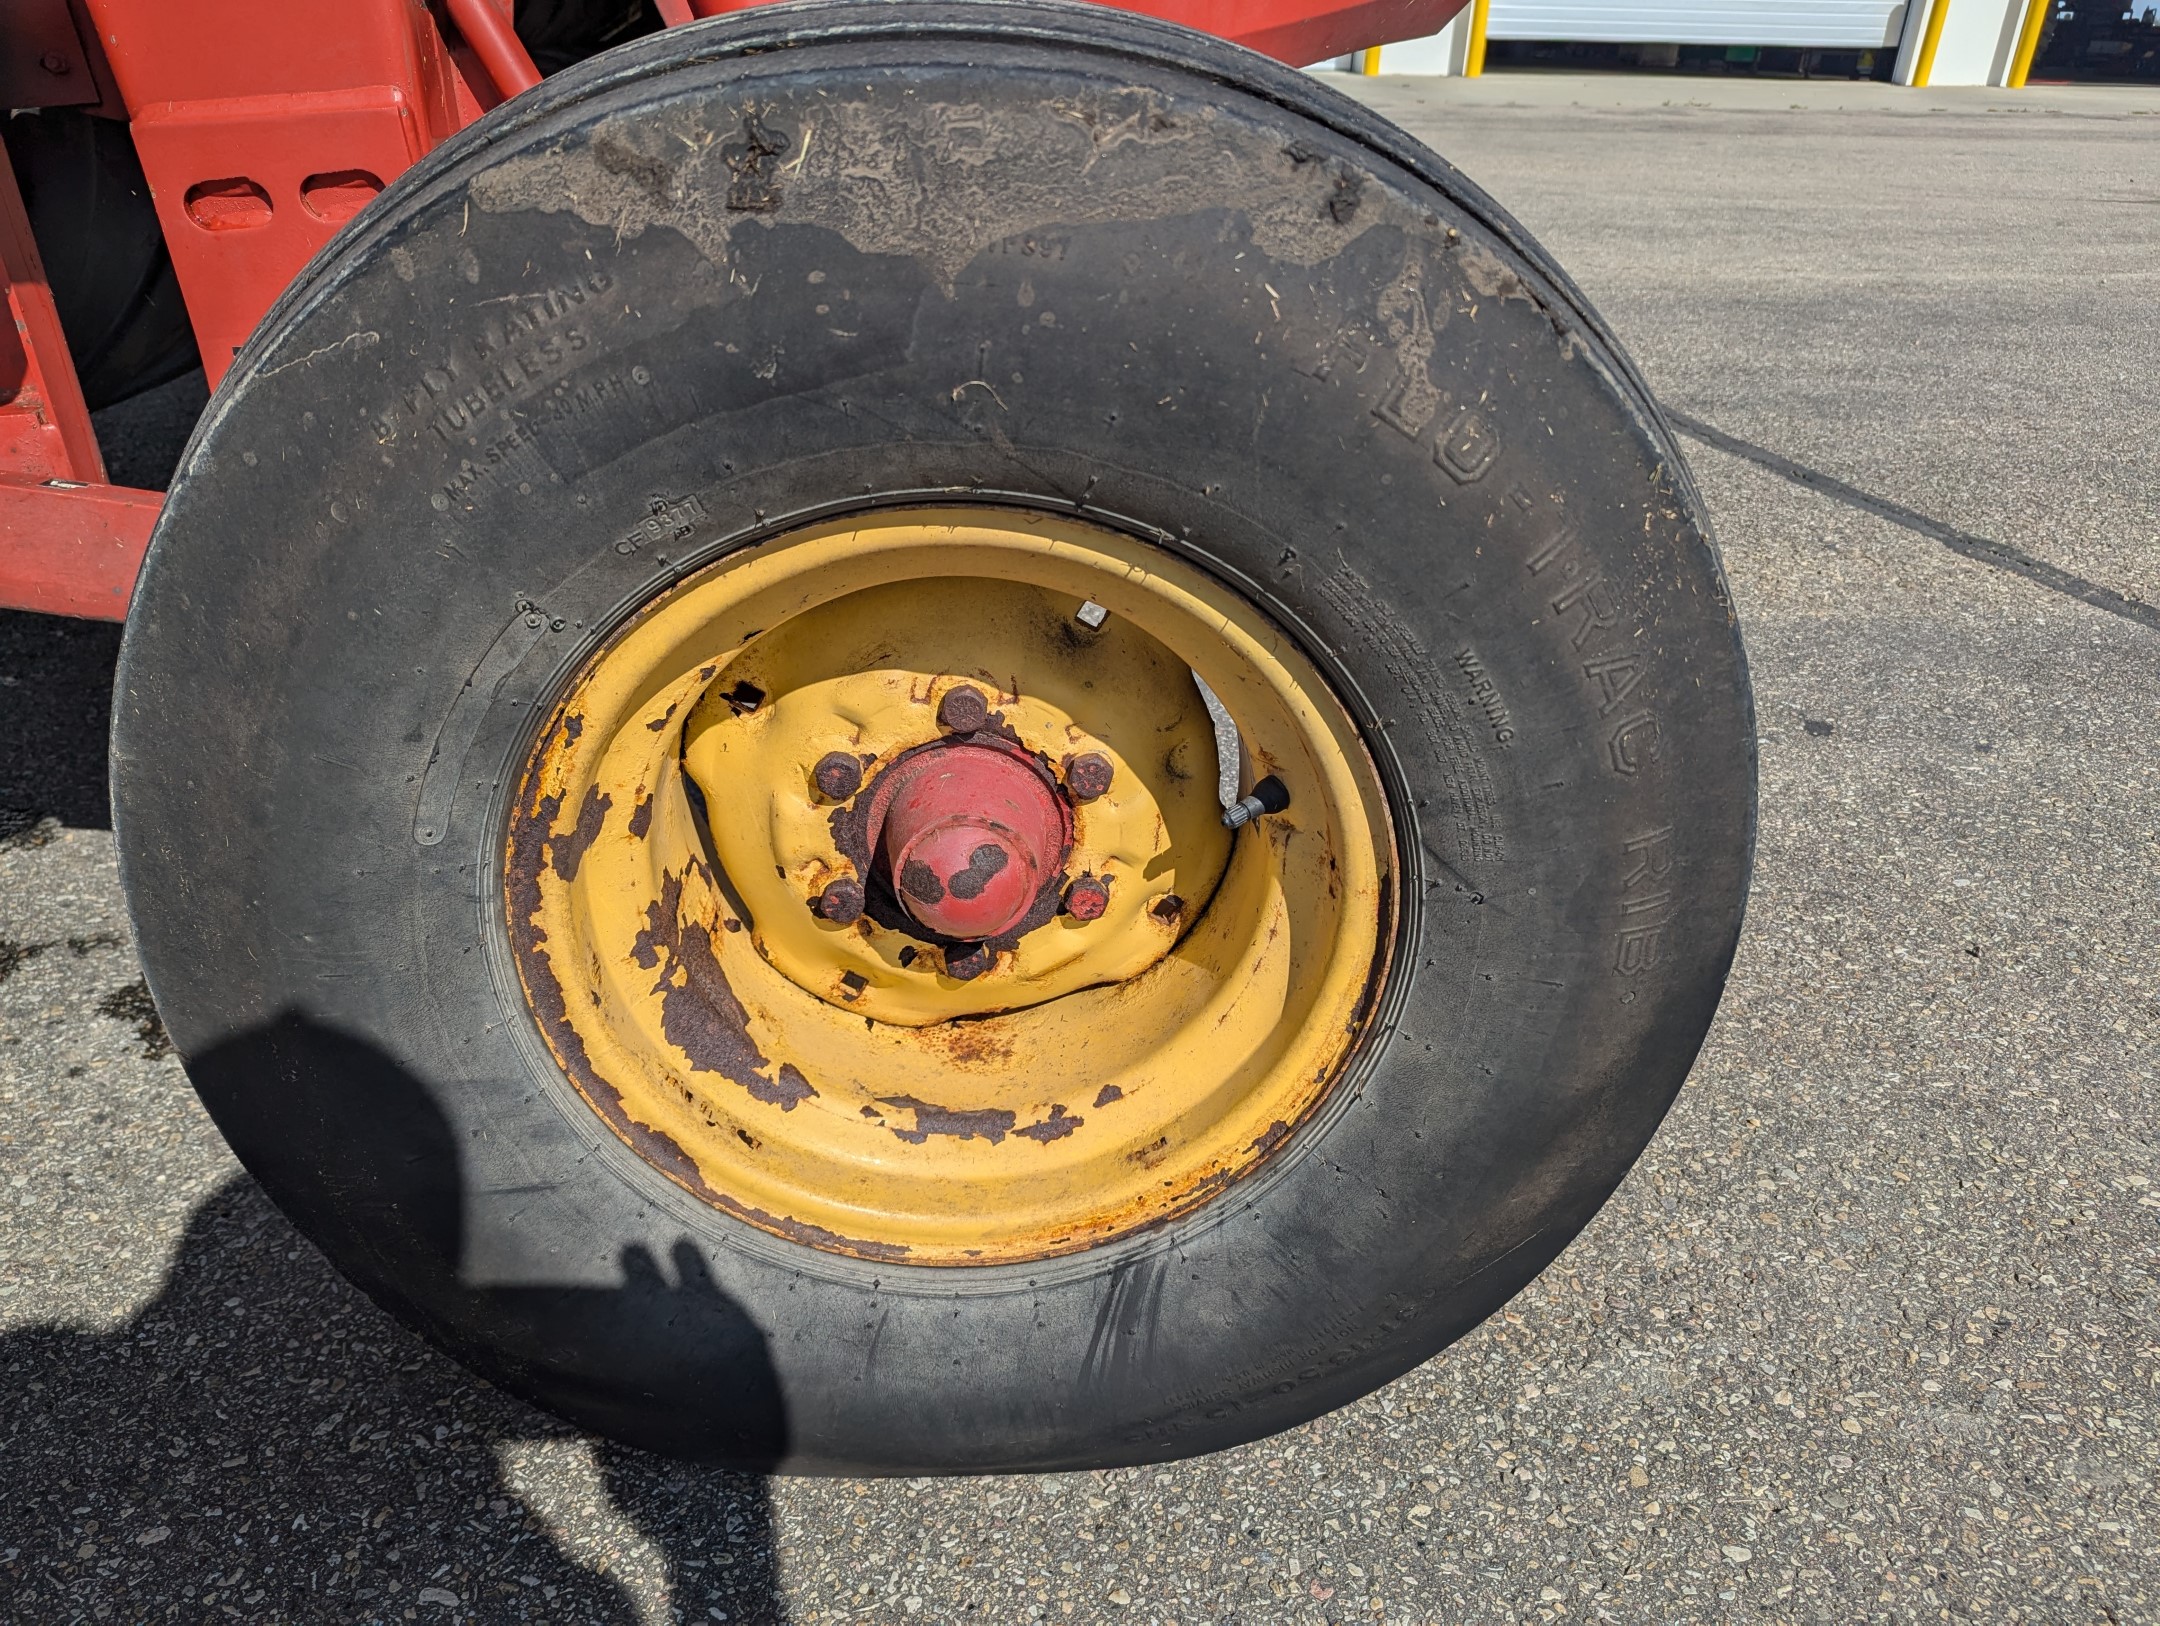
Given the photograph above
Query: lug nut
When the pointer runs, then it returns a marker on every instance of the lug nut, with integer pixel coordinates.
(965, 965)
(841, 902)
(837, 776)
(1087, 775)
(1087, 898)
(963, 710)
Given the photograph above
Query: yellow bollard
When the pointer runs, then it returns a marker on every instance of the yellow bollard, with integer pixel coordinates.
(1928, 43)
(2028, 42)
(1474, 58)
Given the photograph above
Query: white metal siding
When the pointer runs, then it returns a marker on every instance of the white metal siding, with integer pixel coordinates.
(1865, 24)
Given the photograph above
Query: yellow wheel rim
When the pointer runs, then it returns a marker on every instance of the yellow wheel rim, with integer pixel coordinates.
(832, 1082)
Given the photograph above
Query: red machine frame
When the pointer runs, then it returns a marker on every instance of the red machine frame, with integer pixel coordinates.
(262, 127)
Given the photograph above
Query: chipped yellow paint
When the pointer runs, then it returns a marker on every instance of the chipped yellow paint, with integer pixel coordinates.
(1103, 1075)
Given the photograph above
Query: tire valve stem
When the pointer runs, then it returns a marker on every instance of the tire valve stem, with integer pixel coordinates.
(1271, 795)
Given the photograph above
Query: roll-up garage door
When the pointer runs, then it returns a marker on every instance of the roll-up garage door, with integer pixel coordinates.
(1865, 24)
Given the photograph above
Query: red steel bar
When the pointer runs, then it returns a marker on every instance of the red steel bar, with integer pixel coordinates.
(73, 550)
(500, 51)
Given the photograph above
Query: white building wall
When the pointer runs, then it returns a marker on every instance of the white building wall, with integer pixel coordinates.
(1442, 53)
(1979, 37)
(1866, 25)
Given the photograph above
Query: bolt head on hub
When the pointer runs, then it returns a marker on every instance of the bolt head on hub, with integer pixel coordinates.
(1087, 775)
(963, 710)
(1087, 898)
(837, 776)
(965, 965)
(841, 902)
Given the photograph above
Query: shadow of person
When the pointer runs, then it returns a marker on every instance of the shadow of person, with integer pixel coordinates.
(260, 1440)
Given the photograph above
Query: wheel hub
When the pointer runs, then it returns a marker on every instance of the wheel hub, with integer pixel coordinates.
(866, 733)
(968, 835)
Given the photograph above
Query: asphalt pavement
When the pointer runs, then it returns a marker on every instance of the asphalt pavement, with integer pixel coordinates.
(1869, 1334)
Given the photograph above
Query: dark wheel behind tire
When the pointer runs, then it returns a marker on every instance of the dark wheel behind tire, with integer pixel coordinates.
(696, 300)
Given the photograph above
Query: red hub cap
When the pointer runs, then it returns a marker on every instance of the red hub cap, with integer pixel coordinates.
(970, 836)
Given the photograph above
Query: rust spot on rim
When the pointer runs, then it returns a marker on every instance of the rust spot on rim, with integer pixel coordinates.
(569, 850)
(969, 1044)
(699, 1012)
(1055, 1127)
(527, 853)
(992, 1124)
(529, 841)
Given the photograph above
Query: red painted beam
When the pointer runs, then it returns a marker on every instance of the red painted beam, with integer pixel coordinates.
(493, 40)
(73, 549)
(1299, 32)
(1302, 32)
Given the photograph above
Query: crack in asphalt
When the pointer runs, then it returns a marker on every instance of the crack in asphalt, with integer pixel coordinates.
(1979, 549)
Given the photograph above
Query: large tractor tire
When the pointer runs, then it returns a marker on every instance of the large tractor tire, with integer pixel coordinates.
(918, 739)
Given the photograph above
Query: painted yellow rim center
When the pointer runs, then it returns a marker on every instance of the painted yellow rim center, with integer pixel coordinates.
(829, 1082)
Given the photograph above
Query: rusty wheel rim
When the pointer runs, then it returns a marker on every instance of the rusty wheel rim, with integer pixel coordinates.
(716, 945)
